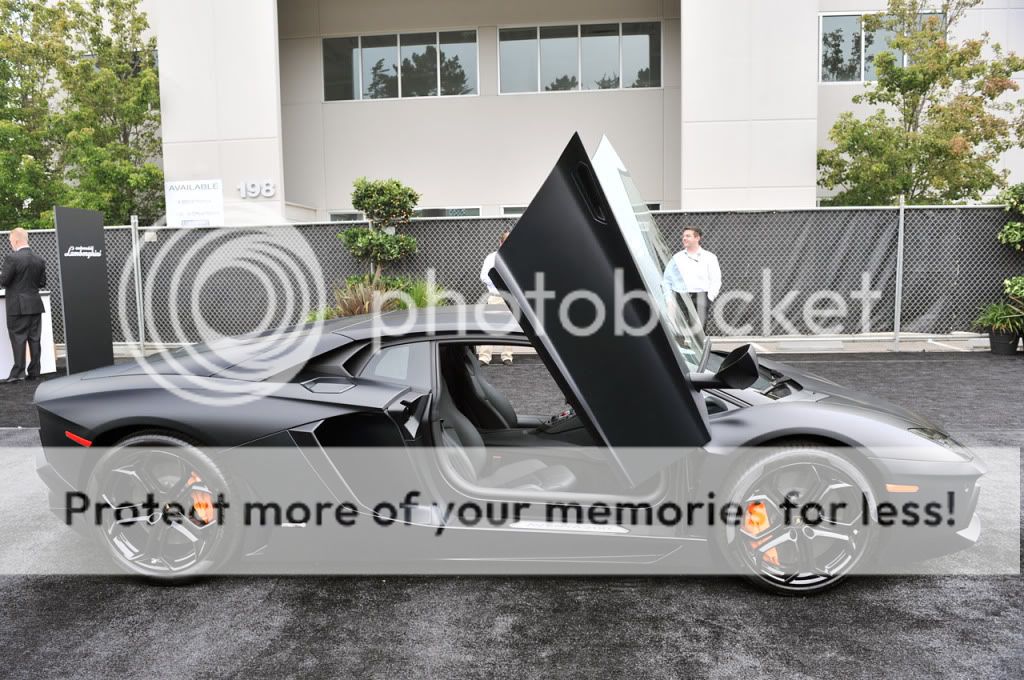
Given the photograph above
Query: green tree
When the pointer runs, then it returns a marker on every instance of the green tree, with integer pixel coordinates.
(943, 119)
(111, 118)
(387, 204)
(79, 111)
(30, 182)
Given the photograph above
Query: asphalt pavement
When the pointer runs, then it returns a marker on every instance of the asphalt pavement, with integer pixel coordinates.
(905, 627)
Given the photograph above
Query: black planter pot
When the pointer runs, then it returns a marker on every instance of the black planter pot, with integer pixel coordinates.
(1003, 343)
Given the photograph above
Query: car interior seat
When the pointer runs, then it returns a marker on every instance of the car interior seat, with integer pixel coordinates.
(465, 450)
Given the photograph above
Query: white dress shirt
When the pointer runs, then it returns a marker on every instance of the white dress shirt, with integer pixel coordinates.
(696, 272)
(485, 270)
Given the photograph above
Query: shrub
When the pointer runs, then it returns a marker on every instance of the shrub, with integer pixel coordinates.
(1014, 288)
(377, 247)
(1000, 317)
(425, 294)
(325, 314)
(387, 204)
(1012, 233)
(361, 298)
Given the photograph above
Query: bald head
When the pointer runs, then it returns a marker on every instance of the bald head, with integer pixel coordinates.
(19, 238)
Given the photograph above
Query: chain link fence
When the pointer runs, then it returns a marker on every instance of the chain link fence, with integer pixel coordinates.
(775, 265)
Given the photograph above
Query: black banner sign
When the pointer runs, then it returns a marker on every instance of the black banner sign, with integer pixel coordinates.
(83, 283)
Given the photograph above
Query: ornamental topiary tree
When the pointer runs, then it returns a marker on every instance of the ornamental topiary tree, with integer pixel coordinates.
(387, 204)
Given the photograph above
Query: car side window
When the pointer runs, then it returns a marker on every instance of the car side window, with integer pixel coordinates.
(407, 364)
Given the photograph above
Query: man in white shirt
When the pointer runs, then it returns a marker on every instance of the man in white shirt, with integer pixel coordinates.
(695, 272)
(484, 352)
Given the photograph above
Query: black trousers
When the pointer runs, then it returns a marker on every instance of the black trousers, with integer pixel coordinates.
(702, 304)
(24, 329)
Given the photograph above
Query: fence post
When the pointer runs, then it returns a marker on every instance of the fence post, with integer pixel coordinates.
(899, 278)
(137, 266)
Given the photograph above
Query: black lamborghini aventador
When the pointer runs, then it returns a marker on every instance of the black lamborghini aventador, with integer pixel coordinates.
(375, 407)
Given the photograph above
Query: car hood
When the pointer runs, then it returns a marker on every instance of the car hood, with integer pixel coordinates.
(818, 388)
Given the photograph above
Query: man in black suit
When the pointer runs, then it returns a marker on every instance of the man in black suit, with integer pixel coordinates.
(24, 273)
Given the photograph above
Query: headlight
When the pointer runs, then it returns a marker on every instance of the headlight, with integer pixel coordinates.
(944, 440)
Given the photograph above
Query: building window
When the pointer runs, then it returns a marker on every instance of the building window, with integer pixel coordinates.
(352, 216)
(406, 65)
(517, 54)
(447, 212)
(341, 68)
(513, 209)
(641, 54)
(380, 66)
(848, 52)
(599, 48)
(587, 57)
(559, 58)
(419, 64)
(458, 62)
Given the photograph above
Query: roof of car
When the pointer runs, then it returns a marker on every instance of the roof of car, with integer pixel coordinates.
(475, 319)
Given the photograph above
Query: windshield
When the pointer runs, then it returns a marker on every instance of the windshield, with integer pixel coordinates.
(651, 254)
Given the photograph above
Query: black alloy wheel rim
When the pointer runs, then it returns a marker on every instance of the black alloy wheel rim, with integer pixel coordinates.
(177, 534)
(814, 548)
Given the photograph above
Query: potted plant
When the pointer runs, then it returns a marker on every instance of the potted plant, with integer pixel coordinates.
(1004, 323)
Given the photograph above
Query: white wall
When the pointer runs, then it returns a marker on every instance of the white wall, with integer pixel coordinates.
(487, 150)
(220, 99)
(749, 104)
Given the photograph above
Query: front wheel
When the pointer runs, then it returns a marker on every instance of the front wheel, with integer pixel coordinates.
(182, 533)
(804, 528)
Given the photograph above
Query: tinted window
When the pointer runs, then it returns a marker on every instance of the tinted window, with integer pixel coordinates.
(600, 50)
(559, 58)
(380, 66)
(406, 364)
(840, 48)
(419, 64)
(341, 68)
(458, 62)
(641, 54)
(517, 52)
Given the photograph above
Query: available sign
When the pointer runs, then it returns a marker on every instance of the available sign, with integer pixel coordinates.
(195, 203)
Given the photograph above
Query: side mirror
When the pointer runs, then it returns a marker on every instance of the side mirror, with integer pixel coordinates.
(738, 371)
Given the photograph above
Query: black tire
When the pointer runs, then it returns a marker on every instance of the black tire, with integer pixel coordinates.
(803, 557)
(168, 543)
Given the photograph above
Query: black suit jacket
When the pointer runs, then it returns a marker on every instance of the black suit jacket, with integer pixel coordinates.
(24, 273)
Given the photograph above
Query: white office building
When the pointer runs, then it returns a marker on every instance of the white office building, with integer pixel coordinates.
(713, 104)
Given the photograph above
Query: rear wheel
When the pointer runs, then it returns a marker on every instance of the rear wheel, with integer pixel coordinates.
(182, 533)
(803, 529)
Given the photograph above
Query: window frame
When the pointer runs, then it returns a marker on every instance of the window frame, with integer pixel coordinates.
(346, 211)
(863, 47)
(398, 41)
(448, 207)
(579, 54)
